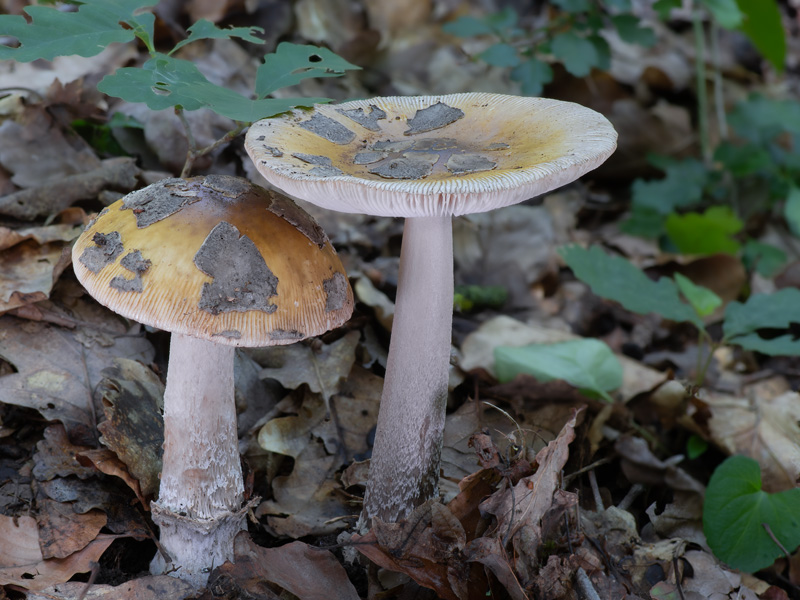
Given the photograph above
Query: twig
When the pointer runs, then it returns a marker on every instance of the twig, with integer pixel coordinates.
(776, 540)
(584, 585)
(598, 500)
(625, 503)
(17, 88)
(90, 583)
(193, 153)
(702, 96)
(586, 469)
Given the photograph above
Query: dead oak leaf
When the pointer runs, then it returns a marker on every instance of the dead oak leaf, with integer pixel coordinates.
(156, 587)
(62, 531)
(28, 272)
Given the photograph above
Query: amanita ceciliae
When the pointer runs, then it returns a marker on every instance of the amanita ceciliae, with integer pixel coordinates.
(220, 263)
(427, 159)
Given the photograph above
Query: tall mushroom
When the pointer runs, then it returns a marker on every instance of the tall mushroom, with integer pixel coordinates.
(220, 263)
(426, 159)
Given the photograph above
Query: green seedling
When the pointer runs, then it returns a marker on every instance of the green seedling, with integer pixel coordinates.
(165, 81)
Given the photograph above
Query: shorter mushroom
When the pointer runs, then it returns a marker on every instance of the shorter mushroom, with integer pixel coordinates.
(220, 263)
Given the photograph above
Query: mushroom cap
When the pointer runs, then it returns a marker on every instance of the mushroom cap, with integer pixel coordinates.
(217, 258)
(429, 155)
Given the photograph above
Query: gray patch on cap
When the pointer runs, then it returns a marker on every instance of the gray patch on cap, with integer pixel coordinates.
(497, 146)
(410, 166)
(136, 264)
(459, 164)
(299, 219)
(230, 187)
(231, 334)
(108, 248)
(242, 279)
(159, 201)
(331, 130)
(325, 167)
(433, 117)
(368, 121)
(272, 150)
(367, 158)
(325, 171)
(283, 334)
(94, 219)
(392, 145)
(335, 292)
(435, 144)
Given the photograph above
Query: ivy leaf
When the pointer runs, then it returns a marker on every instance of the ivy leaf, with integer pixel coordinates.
(766, 259)
(791, 210)
(736, 509)
(205, 30)
(503, 20)
(702, 299)
(467, 27)
(764, 311)
(743, 160)
(759, 119)
(532, 75)
(85, 32)
(587, 364)
(682, 186)
(578, 54)
(725, 12)
(705, 233)
(292, 63)
(630, 30)
(164, 82)
(762, 24)
(615, 278)
(500, 55)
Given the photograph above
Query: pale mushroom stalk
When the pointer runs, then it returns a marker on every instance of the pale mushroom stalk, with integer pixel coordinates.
(199, 508)
(404, 470)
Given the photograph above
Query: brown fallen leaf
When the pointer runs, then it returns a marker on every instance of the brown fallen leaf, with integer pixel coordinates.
(55, 456)
(29, 270)
(62, 531)
(41, 234)
(156, 587)
(306, 572)
(107, 462)
(22, 563)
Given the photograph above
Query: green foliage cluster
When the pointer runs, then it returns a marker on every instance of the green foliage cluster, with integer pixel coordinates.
(164, 81)
(699, 209)
(573, 38)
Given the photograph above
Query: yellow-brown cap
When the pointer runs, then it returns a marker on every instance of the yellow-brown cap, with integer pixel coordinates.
(429, 155)
(216, 258)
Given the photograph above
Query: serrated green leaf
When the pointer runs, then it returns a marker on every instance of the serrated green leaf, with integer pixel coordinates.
(578, 54)
(702, 299)
(681, 187)
(759, 119)
(763, 25)
(587, 364)
(165, 82)
(644, 222)
(616, 279)
(764, 311)
(533, 75)
(791, 210)
(206, 30)
(725, 12)
(630, 30)
(736, 509)
(500, 55)
(742, 160)
(573, 6)
(709, 232)
(467, 27)
(292, 63)
(765, 259)
(85, 32)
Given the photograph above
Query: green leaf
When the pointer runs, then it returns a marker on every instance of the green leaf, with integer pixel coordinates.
(467, 27)
(762, 24)
(85, 32)
(587, 364)
(742, 160)
(165, 82)
(695, 446)
(766, 259)
(682, 186)
(603, 51)
(630, 30)
(573, 6)
(620, 5)
(665, 7)
(725, 12)
(503, 20)
(705, 233)
(760, 120)
(292, 63)
(533, 75)
(578, 54)
(736, 509)
(764, 311)
(616, 279)
(702, 299)
(500, 55)
(205, 30)
(791, 210)
(644, 222)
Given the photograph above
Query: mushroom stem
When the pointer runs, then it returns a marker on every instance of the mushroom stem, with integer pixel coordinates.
(199, 508)
(404, 470)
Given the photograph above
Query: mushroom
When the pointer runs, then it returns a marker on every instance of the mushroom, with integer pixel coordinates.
(427, 159)
(220, 263)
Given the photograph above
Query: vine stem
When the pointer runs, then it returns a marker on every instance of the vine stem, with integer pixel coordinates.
(193, 153)
(702, 95)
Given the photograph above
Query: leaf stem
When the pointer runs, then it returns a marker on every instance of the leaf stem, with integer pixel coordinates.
(193, 152)
(702, 95)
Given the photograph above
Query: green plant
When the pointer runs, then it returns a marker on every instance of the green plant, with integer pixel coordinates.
(572, 37)
(165, 81)
(745, 526)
